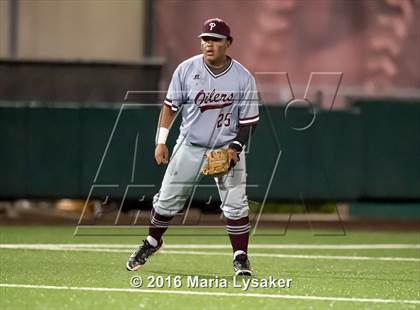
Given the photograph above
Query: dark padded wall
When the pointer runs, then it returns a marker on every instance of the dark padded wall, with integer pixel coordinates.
(371, 152)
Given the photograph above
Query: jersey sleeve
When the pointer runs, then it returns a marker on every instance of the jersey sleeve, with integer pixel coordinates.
(174, 96)
(248, 107)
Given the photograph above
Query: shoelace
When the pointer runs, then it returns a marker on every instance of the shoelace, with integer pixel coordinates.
(144, 251)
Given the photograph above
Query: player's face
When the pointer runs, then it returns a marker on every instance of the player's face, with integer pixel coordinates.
(214, 50)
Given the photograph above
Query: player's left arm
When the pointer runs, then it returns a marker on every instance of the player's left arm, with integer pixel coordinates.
(241, 140)
(248, 118)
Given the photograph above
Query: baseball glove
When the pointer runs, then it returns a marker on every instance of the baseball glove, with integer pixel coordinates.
(218, 162)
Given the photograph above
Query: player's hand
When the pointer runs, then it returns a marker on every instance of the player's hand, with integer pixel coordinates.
(233, 157)
(161, 154)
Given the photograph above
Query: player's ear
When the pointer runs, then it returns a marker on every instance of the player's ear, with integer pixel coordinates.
(229, 41)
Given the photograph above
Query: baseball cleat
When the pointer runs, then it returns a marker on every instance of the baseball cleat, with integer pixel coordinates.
(140, 256)
(241, 265)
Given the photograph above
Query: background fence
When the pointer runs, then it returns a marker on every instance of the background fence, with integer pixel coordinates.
(370, 151)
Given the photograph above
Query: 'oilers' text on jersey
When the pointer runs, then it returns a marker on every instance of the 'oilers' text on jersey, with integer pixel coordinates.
(213, 106)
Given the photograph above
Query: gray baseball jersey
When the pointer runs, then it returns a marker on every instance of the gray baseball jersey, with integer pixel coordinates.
(213, 106)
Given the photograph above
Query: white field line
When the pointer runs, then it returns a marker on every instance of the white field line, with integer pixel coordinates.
(163, 251)
(220, 294)
(398, 259)
(385, 246)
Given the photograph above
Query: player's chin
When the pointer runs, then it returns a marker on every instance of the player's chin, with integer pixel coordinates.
(209, 57)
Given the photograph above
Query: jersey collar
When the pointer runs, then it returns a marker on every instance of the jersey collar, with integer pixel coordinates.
(221, 73)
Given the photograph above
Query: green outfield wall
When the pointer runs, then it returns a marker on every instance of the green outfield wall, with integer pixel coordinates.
(370, 151)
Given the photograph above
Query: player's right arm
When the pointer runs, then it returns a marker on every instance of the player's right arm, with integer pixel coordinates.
(166, 118)
(172, 104)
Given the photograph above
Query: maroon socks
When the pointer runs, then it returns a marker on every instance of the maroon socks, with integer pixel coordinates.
(238, 231)
(157, 227)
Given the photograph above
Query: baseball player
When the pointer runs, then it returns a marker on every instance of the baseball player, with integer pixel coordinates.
(218, 101)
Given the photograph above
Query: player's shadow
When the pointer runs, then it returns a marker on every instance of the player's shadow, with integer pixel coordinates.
(200, 275)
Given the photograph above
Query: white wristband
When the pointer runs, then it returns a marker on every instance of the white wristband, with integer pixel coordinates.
(162, 135)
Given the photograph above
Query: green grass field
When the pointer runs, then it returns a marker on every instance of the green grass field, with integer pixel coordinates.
(50, 268)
